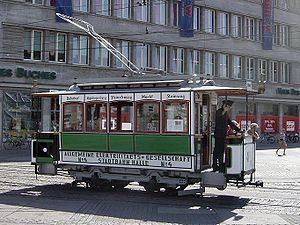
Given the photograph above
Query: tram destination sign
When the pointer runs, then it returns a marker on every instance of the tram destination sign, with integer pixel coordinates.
(128, 160)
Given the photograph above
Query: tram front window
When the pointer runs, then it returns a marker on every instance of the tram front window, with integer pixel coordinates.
(96, 117)
(121, 116)
(176, 117)
(73, 117)
(147, 117)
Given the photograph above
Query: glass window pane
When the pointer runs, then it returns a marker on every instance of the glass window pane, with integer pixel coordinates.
(176, 117)
(121, 116)
(27, 44)
(61, 48)
(37, 45)
(96, 117)
(72, 117)
(147, 117)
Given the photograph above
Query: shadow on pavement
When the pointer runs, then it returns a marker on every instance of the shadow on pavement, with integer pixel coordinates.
(15, 155)
(125, 204)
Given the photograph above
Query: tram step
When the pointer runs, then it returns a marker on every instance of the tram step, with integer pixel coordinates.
(212, 179)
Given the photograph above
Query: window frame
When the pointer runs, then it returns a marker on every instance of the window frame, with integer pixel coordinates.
(223, 20)
(86, 116)
(187, 102)
(57, 50)
(102, 9)
(235, 66)
(211, 64)
(158, 102)
(80, 49)
(109, 117)
(32, 44)
(224, 65)
(249, 76)
(197, 18)
(178, 55)
(99, 49)
(209, 21)
(237, 26)
(82, 113)
(79, 8)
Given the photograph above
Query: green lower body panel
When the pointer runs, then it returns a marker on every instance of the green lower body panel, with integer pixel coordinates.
(128, 143)
(85, 142)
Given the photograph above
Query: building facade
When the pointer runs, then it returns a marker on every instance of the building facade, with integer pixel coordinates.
(226, 47)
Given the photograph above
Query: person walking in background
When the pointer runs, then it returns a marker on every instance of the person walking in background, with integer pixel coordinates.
(282, 142)
(222, 121)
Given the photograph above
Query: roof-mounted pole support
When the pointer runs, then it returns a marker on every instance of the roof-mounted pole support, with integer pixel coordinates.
(88, 28)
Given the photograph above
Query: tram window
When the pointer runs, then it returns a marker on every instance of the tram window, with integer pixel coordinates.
(147, 117)
(73, 119)
(121, 116)
(176, 117)
(96, 117)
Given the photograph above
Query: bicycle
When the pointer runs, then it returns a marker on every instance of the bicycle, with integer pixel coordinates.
(20, 143)
(268, 138)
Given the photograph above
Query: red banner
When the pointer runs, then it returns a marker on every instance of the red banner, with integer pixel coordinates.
(242, 121)
(290, 123)
(269, 124)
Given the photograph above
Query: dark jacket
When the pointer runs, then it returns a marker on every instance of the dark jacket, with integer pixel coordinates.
(222, 122)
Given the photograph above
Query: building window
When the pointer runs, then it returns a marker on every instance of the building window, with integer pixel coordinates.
(73, 117)
(197, 18)
(160, 12)
(237, 67)
(285, 73)
(39, 2)
(103, 7)
(147, 114)
(224, 23)
(178, 60)
(81, 5)
(250, 28)
(122, 8)
(142, 55)
(159, 59)
(223, 65)
(96, 117)
(102, 55)
(33, 45)
(284, 35)
(142, 11)
(18, 114)
(276, 34)
(123, 47)
(194, 62)
(210, 64)
(273, 71)
(176, 14)
(57, 47)
(259, 30)
(250, 68)
(262, 69)
(80, 49)
(210, 24)
(236, 27)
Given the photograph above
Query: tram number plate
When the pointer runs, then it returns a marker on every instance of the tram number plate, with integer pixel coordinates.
(128, 160)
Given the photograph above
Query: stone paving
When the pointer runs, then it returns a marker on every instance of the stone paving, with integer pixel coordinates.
(27, 199)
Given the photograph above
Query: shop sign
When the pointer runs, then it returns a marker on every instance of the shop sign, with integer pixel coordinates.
(290, 123)
(22, 73)
(269, 124)
(128, 160)
(242, 121)
(291, 91)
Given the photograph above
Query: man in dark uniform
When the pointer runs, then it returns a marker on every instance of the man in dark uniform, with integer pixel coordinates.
(222, 121)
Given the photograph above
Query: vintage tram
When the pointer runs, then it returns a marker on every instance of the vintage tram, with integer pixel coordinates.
(156, 133)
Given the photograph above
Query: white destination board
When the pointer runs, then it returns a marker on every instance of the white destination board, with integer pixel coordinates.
(96, 98)
(72, 98)
(121, 97)
(128, 160)
(176, 96)
(147, 96)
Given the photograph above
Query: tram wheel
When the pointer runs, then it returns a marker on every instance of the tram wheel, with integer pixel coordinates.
(119, 185)
(100, 184)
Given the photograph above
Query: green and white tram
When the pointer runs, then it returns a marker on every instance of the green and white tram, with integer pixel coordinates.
(156, 133)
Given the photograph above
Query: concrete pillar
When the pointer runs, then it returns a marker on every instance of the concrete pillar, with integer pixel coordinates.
(280, 117)
(259, 109)
(46, 114)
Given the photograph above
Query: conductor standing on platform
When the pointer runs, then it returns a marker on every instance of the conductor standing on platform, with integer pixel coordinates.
(222, 121)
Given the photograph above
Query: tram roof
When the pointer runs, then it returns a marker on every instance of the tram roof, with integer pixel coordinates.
(174, 85)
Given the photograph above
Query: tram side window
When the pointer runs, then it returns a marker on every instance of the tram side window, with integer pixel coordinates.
(176, 117)
(121, 116)
(147, 117)
(96, 117)
(73, 117)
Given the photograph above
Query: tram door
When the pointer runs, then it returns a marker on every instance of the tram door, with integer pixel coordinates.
(203, 128)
